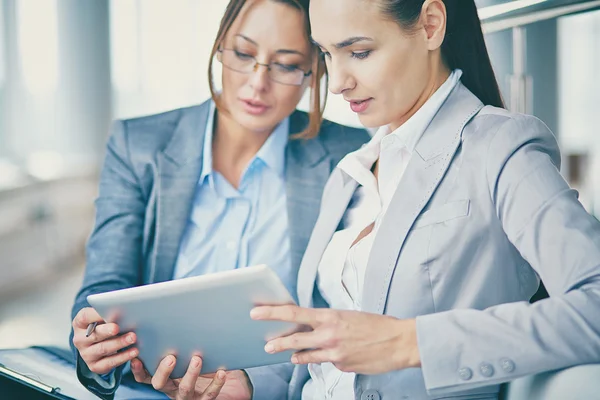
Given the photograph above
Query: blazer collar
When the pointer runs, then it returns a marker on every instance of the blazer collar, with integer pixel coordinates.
(187, 142)
(447, 126)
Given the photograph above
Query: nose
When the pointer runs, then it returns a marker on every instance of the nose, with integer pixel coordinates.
(339, 79)
(259, 79)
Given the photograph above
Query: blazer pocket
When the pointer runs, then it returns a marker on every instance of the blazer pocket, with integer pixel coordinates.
(447, 212)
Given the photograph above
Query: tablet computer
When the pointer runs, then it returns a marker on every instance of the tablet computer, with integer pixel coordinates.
(207, 315)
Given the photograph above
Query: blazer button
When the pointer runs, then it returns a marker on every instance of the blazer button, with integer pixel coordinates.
(486, 369)
(465, 373)
(370, 394)
(507, 365)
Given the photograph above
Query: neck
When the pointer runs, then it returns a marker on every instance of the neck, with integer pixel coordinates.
(439, 75)
(234, 146)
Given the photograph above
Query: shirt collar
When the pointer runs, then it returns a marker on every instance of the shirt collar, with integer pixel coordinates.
(207, 162)
(272, 152)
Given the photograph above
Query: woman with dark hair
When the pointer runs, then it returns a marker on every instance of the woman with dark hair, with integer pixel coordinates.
(233, 182)
(433, 237)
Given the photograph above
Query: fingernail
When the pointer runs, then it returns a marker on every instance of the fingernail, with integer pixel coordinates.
(255, 313)
(294, 359)
(170, 361)
(130, 339)
(195, 362)
(133, 353)
(220, 375)
(269, 348)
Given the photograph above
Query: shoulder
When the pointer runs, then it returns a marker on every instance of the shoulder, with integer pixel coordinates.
(337, 139)
(500, 133)
(341, 137)
(152, 133)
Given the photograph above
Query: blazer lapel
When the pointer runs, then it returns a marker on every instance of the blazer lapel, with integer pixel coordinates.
(307, 169)
(179, 168)
(337, 195)
(429, 163)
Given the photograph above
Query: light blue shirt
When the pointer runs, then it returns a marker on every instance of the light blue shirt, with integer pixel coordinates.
(232, 228)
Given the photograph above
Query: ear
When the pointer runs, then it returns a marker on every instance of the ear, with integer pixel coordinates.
(433, 19)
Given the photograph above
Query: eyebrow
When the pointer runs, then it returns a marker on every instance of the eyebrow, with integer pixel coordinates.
(280, 51)
(348, 42)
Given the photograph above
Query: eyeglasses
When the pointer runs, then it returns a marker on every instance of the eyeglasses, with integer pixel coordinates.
(246, 64)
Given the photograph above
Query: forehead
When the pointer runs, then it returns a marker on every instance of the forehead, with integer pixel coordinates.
(271, 24)
(352, 18)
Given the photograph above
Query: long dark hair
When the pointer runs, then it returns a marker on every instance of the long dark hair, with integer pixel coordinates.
(463, 46)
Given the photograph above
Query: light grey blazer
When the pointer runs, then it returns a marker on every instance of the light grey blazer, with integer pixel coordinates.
(480, 215)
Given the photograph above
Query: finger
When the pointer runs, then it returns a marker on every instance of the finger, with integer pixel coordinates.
(103, 332)
(107, 364)
(214, 388)
(187, 384)
(86, 316)
(162, 375)
(312, 357)
(297, 341)
(139, 372)
(108, 347)
(288, 313)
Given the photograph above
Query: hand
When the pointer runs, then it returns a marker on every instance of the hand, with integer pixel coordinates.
(230, 385)
(353, 341)
(101, 351)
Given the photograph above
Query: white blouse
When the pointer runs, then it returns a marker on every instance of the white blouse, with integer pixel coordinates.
(342, 267)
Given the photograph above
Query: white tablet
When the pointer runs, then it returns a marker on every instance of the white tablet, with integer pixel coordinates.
(206, 315)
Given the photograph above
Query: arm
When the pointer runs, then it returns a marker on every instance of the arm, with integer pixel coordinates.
(270, 382)
(114, 249)
(543, 219)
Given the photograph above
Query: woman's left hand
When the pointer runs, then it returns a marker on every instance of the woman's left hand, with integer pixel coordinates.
(353, 341)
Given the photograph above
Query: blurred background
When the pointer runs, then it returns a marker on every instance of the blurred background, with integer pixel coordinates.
(68, 67)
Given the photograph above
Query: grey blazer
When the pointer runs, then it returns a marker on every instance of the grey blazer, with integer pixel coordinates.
(147, 185)
(480, 215)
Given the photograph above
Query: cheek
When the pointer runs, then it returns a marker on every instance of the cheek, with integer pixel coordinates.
(287, 98)
(232, 81)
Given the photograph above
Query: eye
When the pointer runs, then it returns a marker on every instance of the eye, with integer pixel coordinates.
(361, 55)
(325, 54)
(242, 56)
(286, 67)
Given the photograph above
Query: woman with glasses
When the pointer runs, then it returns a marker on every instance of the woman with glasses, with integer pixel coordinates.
(235, 181)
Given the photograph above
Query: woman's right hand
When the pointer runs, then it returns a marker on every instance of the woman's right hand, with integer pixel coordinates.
(101, 350)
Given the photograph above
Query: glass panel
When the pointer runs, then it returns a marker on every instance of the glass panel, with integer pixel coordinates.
(37, 36)
(579, 89)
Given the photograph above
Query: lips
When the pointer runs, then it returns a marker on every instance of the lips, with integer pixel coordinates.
(254, 107)
(359, 106)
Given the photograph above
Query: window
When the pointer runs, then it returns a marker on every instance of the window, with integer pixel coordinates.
(37, 36)
(2, 48)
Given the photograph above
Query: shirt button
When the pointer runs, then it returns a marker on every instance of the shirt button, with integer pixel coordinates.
(507, 365)
(486, 369)
(370, 394)
(465, 373)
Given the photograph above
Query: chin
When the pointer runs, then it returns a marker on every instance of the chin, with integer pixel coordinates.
(256, 124)
(372, 121)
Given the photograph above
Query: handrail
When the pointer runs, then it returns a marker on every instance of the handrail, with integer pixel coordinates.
(524, 12)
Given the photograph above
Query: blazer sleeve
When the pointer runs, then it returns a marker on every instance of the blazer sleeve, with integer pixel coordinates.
(270, 382)
(543, 219)
(113, 253)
